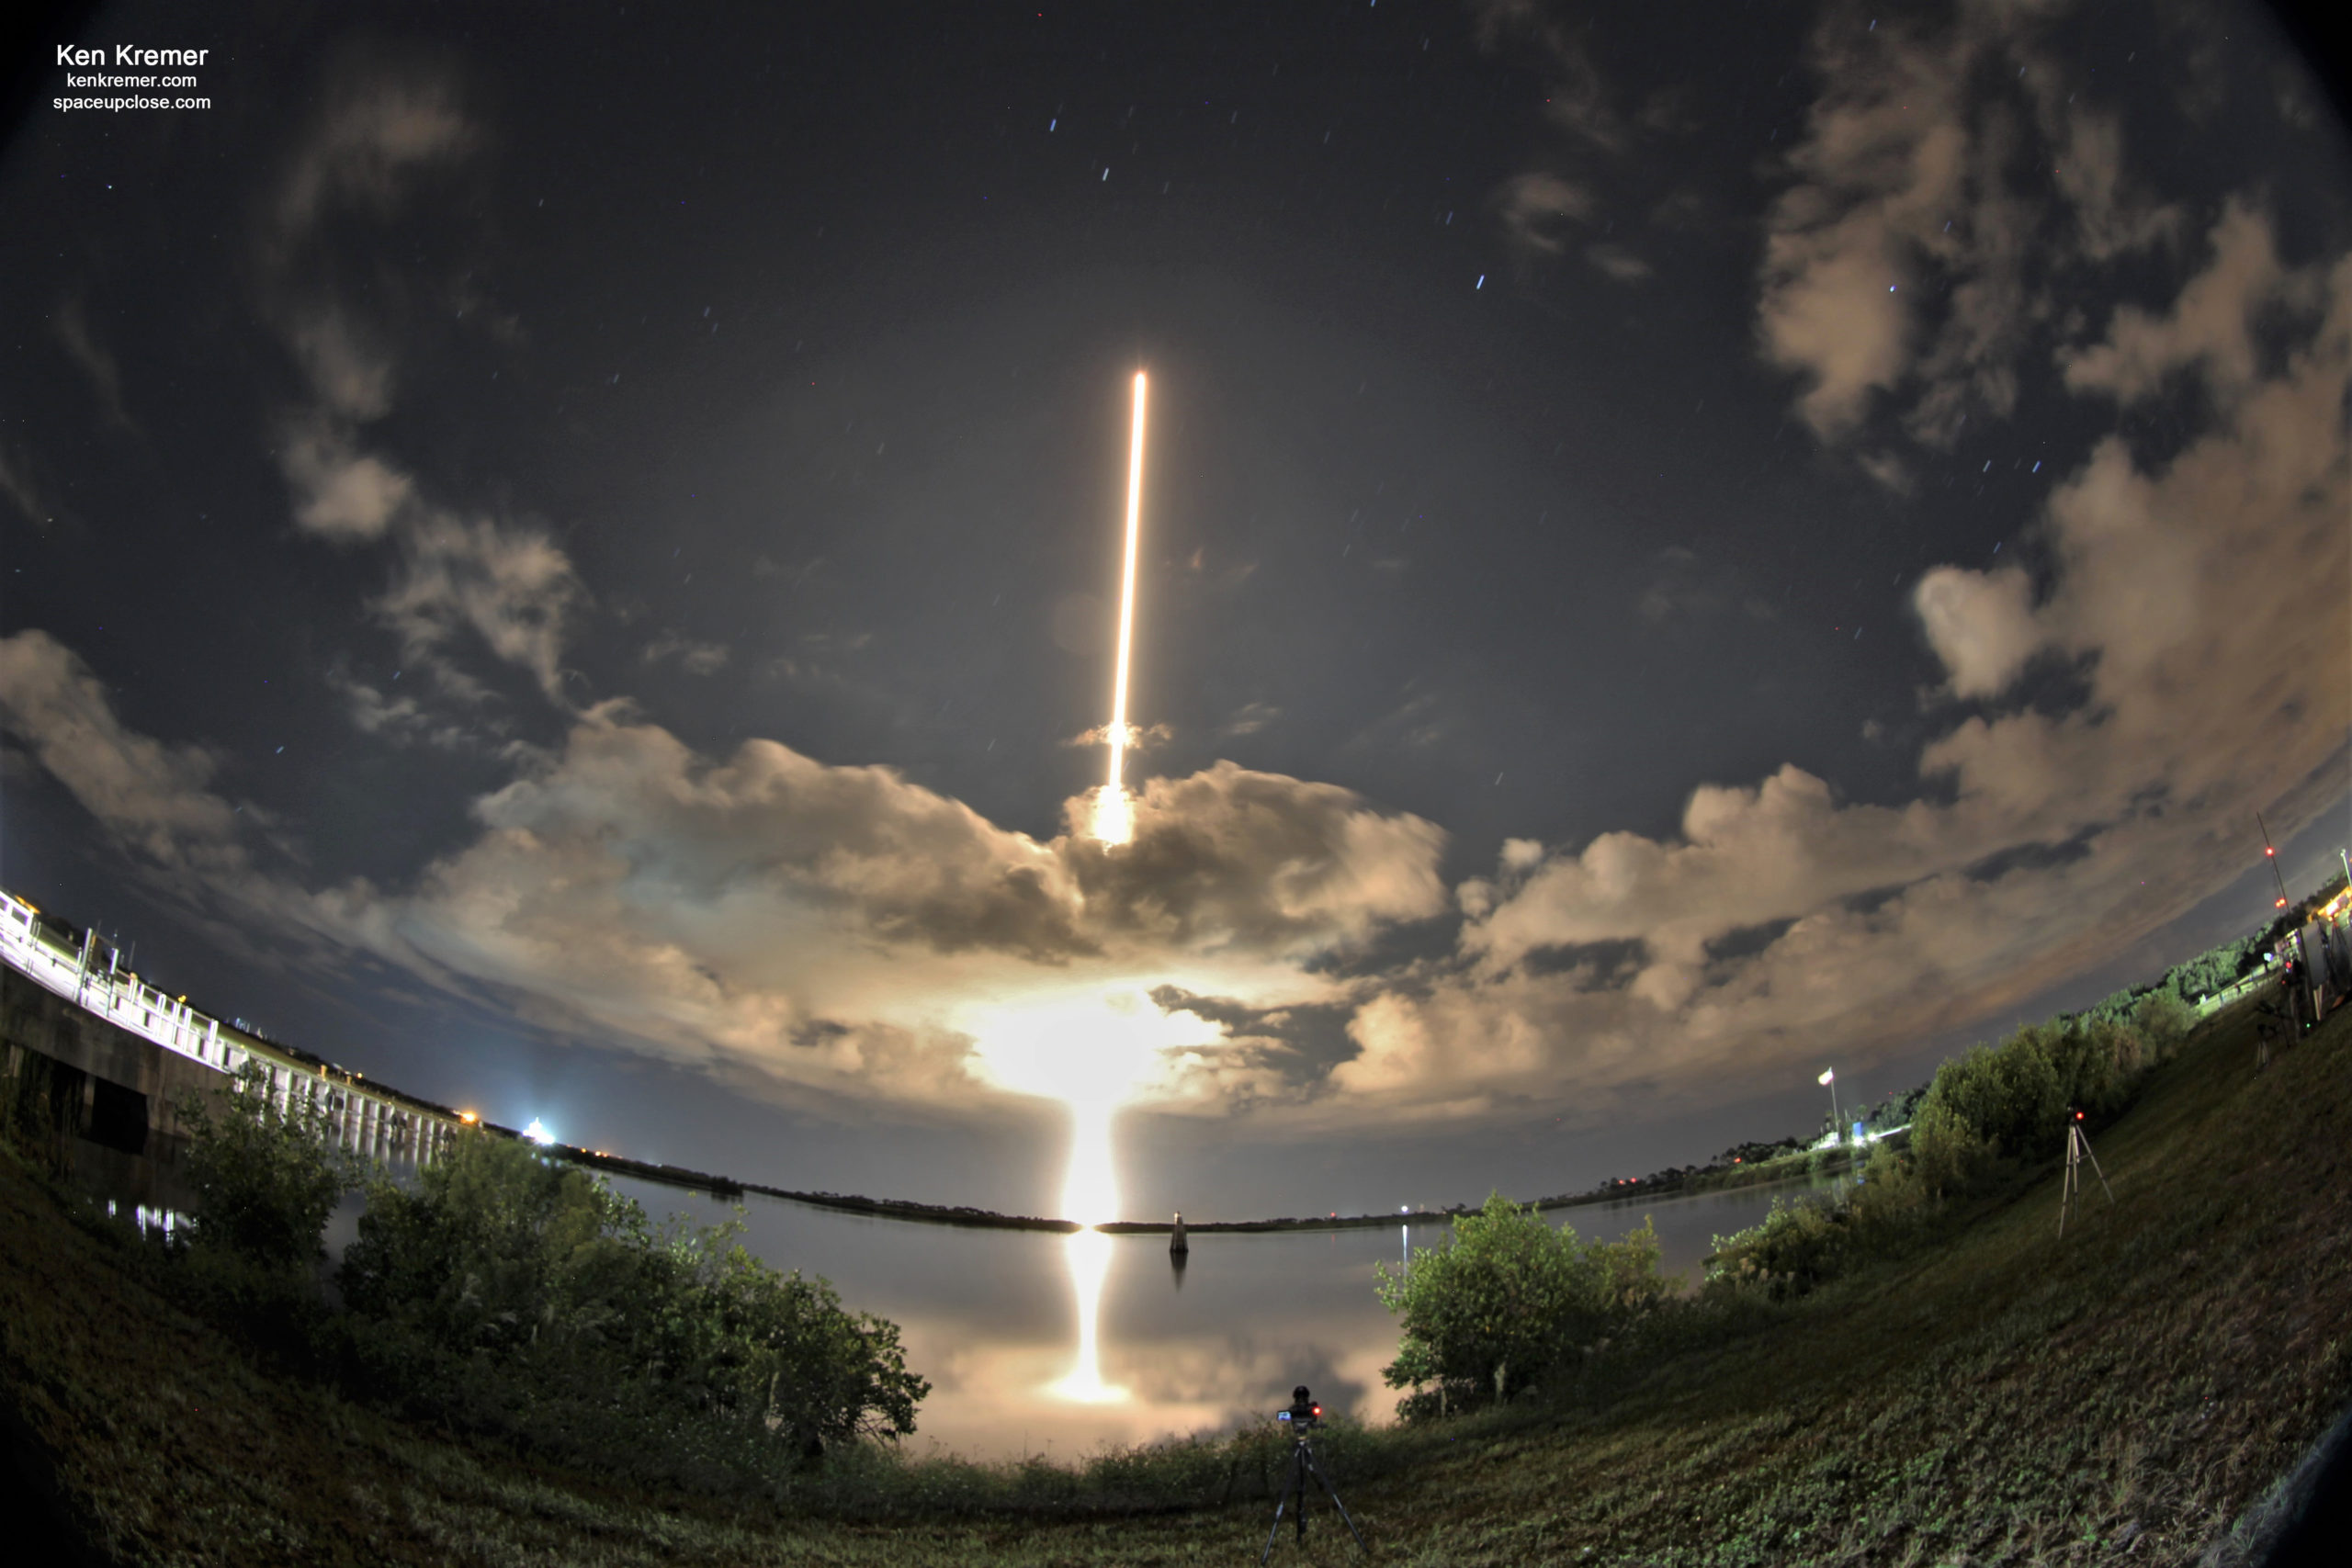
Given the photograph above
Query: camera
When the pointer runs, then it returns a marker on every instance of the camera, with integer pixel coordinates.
(1303, 1416)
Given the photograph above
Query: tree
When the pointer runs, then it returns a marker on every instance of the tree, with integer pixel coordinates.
(521, 1293)
(1507, 1297)
(266, 1176)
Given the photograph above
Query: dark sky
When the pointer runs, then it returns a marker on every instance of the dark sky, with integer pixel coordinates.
(559, 555)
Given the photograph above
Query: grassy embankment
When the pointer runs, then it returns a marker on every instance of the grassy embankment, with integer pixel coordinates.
(1990, 1394)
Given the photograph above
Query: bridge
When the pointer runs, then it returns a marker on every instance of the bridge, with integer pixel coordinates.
(148, 1048)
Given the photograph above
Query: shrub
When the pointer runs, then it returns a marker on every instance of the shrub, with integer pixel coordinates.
(1799, 1246)
(1507, 1298)
(2164, 1020)
(266, 1176)
(509, 1293)
(1947, 1155)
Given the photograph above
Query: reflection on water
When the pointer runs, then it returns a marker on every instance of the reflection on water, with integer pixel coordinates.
(1038, 1343)
(1089, 1252)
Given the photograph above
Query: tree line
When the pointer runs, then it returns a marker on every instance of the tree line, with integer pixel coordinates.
(516, 1298)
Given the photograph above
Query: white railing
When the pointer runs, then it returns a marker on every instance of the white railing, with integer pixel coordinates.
(361, 1118)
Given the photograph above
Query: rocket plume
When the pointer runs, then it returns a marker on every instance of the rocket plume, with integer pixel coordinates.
(1114, 814)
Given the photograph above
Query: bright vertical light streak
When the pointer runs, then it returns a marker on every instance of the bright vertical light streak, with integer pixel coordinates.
(1091, 1185)
(1089, 1252)
(1090, 1196)
(1112, 821)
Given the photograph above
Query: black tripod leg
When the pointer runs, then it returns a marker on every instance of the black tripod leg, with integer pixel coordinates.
(1334, 1494)
(1275, 1531)
(1282, 1502)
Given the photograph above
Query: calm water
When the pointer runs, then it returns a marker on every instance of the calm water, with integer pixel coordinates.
(993, 1318)
(997, 1320)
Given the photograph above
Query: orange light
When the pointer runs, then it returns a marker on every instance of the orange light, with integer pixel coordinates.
(468, 1117)
(1113, 823)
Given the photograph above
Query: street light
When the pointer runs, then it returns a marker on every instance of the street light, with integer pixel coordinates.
(1829, 1079)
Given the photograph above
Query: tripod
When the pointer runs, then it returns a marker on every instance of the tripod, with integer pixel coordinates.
(2078, 1149)
(1302, 1465)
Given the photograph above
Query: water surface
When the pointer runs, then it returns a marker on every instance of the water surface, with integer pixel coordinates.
(993, 1318)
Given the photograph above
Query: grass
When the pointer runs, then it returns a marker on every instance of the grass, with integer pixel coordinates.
(1992, 1395)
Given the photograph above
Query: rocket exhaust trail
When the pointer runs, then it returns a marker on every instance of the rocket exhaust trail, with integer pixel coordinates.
(1114, 818)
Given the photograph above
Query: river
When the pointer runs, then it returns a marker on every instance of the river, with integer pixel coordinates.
(995, 1318)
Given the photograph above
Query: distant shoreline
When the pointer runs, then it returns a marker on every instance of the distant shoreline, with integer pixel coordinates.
(1680, 1184)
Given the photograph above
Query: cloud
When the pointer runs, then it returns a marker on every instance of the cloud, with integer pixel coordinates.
(377, 131)
(17, 482)
(1578, 98)
(1781, 924)
(150, 797)
(1141, 737)
(510, 585)
(503, 585)
(1228, 858)
(838, 929)
(1617, 262)
(401, 719)
(1248, 719)
(1979, 623)
(340, 494)
(83, 348)
(1538, 206)
(2210, 328)
(1910, 261)
(352, 376)
(1584, 181)
(1415, 723)
(694, 658)
(1682, 587)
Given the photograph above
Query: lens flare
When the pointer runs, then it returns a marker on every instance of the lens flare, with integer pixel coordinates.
(1114, 814)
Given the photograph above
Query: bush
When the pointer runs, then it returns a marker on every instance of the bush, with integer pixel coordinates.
(511, 1294)
(2164, 1020)
(1947, 1155)
(2012, 1100)
(1799, 1246)
(266, 1176)
(1507, 1298)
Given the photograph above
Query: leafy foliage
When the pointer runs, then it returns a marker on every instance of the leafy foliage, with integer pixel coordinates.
(266, 1174)
(1507, 1298)
(508, 1293)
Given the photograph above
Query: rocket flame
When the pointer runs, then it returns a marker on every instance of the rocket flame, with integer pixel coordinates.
(1114, 813)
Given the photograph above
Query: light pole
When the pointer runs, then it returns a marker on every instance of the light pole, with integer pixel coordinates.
(1829, 1079)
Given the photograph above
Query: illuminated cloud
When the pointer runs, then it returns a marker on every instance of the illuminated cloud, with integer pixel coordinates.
(501, 585)
(1782, 921)
(94, 359)
(1979, 623)
(854, 933)
(1910, 261)
(694, 658)
(147, 796)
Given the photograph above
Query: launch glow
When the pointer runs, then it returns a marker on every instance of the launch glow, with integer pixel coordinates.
(1114, 813)
(1093, 1047)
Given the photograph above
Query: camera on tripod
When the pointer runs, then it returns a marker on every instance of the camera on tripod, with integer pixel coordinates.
(1304, 1413)
(1300, 1421)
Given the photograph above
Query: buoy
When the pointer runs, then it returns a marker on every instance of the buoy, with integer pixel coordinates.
(1176, 1241)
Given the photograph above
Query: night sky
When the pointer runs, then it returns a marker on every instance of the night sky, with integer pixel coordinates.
(566, 557)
